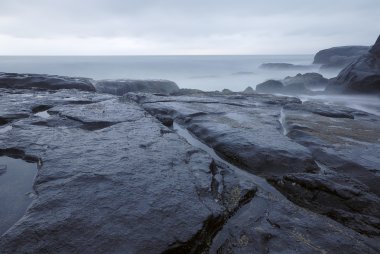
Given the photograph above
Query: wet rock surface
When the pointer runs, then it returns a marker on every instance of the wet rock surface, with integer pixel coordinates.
(322, 157)
(346, 148)
(114, 179)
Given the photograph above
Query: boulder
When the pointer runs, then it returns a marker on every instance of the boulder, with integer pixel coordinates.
(227, 91)
(249, 90)
(339, 57)
(270, 86)
(310, 80)
(45, 82)
(123, 86)
(361, 76)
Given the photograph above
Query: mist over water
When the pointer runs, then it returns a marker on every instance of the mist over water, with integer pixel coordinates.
(207, 73)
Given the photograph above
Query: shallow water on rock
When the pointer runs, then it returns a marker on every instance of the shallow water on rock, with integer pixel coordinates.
(16, 190)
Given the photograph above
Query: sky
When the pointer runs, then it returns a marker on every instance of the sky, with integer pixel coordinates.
(179, 27)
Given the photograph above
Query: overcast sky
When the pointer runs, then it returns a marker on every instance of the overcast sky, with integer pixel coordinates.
(161, 27)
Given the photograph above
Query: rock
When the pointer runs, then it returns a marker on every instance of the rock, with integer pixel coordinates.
(216, 121)
(154, 189)
(310, 80)
(244, 131)
(270, 86)
(339, 57)
(296, 88)
(284, 66)
(227, 91)
(3, 169)
(46, 82)
(346, 148)
(136, 186)
(187, 91)
(274, 86)
(361, 76)
(249, 90)
(123, 86)
(375, 50)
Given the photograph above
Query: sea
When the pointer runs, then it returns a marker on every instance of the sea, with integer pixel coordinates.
(208, 73)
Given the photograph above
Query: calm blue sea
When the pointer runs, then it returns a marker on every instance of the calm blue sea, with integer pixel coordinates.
(201, 72)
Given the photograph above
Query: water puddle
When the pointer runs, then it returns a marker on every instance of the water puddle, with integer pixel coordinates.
(16, 190)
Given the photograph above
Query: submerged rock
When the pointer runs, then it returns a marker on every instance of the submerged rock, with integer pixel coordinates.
(339, 57)
(284, 66)
(361, 76)
(123, 86)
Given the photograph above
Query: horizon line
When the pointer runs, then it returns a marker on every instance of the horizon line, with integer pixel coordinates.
(69, 55)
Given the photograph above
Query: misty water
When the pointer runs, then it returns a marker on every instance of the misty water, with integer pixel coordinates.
(208, 73)
(16, 190)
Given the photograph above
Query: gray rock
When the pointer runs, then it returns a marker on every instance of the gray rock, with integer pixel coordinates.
(346, 143)
(270, 86)
(186, 91)
(123, 86)
(284, 66)
(290, 85)
(249, 90)
(3, 169)
(361, 76)
(339, 57)
(244, 131)
(136, 186)
(375, 50)
(310, 80)
(132, 186)
(41, 81)
(227, 91)
(296, 88)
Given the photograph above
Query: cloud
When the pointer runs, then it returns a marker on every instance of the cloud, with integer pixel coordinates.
(184, 27)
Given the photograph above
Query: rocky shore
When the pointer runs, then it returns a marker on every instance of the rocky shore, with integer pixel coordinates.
(130, 166)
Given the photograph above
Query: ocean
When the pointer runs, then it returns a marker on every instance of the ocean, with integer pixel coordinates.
(207, 73)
